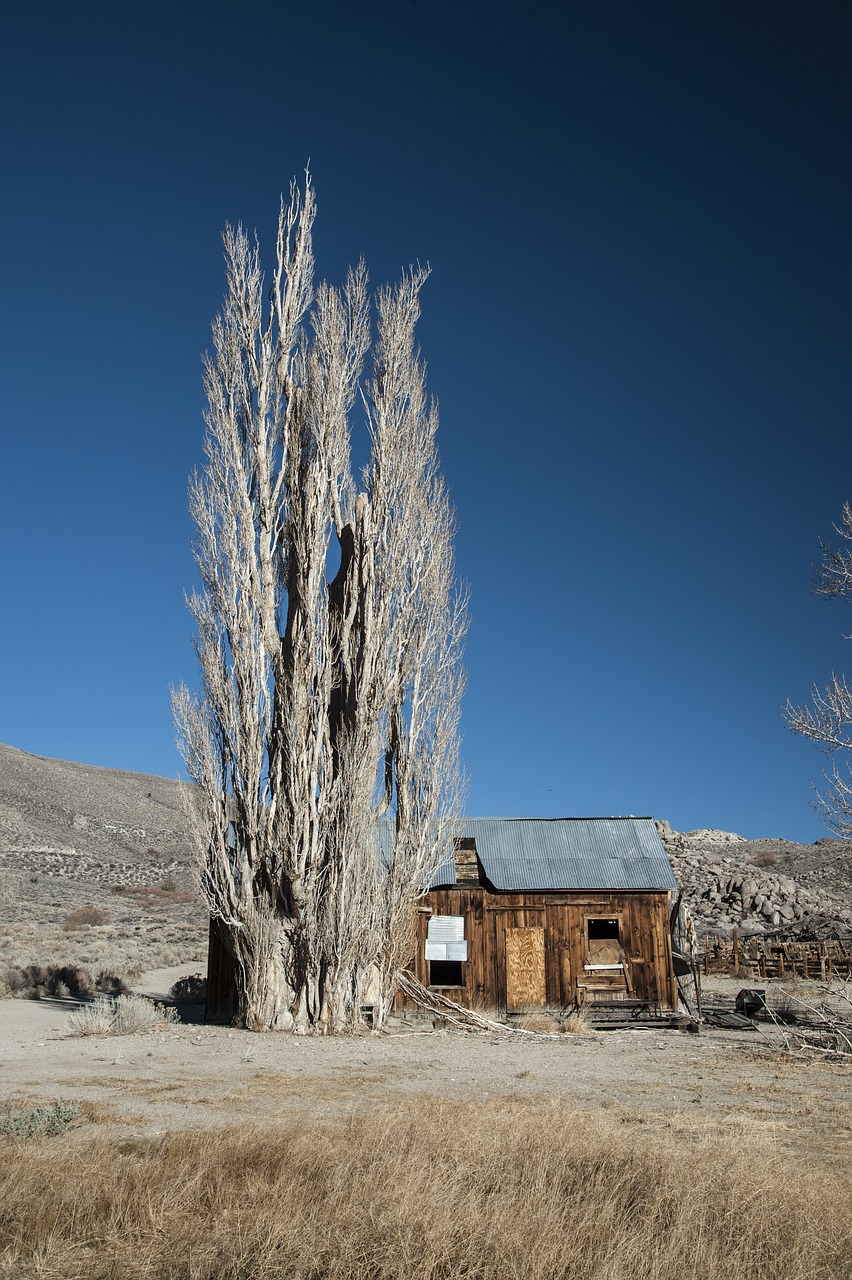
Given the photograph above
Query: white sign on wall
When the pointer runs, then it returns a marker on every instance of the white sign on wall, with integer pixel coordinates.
(445, 929)
(446, 950)
(445, 938)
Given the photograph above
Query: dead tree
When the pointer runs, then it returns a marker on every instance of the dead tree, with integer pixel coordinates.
(324, 743)
(827, 719)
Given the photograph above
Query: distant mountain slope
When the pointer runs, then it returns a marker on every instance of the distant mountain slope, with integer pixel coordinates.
(90, 825)
(86, 814)
(76, 840)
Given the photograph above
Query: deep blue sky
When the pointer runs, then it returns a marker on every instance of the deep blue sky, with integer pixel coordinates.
(638, 328)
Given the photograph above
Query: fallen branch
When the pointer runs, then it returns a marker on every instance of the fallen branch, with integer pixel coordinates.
(843, 991)
(464, 1019)
(833, 1028)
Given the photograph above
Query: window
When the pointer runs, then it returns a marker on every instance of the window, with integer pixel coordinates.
(445, 973)
(604, 948)
(599, 927)
(446, 951)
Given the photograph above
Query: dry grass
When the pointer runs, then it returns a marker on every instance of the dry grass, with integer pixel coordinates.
(577, 1022)
(537, 1020)
(543, 1023)
(123, 1016)
(436, 1190)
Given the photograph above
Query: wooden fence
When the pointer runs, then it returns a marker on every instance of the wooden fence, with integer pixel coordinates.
(761, 957)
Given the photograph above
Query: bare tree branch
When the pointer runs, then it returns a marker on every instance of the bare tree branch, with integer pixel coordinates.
(833, 576)
(826, 720)
(324, 742)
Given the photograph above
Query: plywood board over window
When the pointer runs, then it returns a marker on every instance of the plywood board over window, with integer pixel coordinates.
(525, 976)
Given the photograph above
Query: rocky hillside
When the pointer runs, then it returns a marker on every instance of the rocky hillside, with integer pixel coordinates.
(95, 869)
(763, 886)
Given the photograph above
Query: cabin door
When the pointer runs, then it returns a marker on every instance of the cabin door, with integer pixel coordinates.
(525, 984)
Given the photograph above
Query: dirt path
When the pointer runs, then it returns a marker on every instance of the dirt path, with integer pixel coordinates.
(192, 1075)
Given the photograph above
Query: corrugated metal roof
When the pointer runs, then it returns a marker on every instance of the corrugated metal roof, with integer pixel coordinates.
(567, 853)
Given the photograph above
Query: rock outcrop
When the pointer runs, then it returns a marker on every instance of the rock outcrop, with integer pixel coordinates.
(769, 886)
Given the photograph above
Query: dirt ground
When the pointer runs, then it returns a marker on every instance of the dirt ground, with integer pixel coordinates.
(191, 1075)
(76, 838)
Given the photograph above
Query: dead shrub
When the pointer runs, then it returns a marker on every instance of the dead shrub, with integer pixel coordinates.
(148, 896)
(427, 1188)
(77, 982)
(191, 990)
(85, 918)
(766, 858)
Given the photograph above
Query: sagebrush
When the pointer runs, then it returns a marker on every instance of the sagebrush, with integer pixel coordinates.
(191, 989)
(59, 981)
(123, 1016)
(42, 1121)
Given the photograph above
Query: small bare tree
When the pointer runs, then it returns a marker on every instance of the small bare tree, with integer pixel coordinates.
(324, 744)
(827, 719)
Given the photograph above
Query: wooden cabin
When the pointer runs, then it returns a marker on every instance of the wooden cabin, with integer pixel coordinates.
(534, 913)
(551, 913)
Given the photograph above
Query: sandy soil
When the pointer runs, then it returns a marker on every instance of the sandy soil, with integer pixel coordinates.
(190, 1075)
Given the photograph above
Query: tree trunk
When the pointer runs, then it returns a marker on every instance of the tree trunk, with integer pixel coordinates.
(326, 707)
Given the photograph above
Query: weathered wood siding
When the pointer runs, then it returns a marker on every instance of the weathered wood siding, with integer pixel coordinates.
(220, 1001)
(498, 929)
